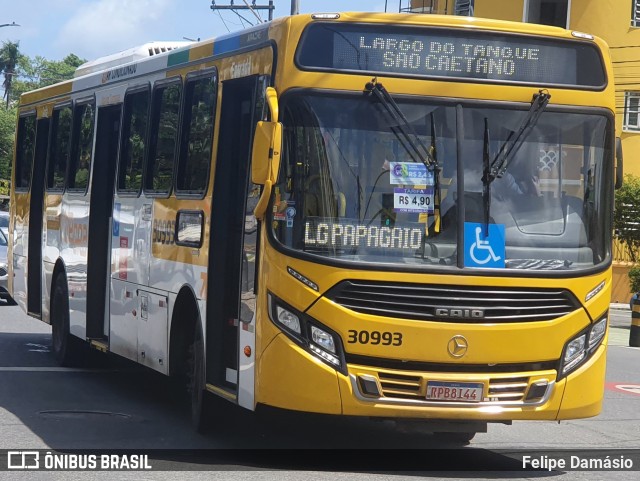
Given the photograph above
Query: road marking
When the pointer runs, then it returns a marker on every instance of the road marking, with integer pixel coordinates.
(38, 347)
(626, 388)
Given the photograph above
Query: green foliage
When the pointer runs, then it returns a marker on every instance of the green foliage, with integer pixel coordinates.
(22, 74)
(9, 58)
(7, 131)
(634, 279)
(40, 72)
(626, 215)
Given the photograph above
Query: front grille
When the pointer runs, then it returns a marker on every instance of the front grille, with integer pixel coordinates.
(453, 303)
(3, 271)
(418, 366)
(508, 389)
(400, 386)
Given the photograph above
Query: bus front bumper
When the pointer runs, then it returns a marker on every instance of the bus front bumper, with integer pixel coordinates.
(291, 378)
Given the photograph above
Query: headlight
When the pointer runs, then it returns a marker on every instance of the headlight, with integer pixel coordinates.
(323, 339)
(314, 337)
(597, 333)
(574, 353)
(288, 319)
(580, 348)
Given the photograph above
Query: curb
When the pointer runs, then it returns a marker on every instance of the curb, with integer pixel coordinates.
(620, 306)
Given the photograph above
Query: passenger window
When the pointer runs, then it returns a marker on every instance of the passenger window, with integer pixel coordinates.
(59, 148)
(25, 149)
(165, 113)
(134, 129)
(82, 147)
(197, 134)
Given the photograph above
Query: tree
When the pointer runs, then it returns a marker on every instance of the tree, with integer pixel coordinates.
(7, 130)
(22, 74)
(40, 72)
(626, 215)
(9, 58)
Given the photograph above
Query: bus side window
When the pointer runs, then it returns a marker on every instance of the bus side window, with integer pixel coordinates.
(197, 133)
(81, 147)
(165, 111)
(133, 140)
(59, 148)
(25, 151)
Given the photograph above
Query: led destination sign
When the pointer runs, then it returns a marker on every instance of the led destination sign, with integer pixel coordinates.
(451, 53)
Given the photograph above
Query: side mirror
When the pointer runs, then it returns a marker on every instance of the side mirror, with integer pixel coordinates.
(261, 152)
(619, 163)
(265, 158)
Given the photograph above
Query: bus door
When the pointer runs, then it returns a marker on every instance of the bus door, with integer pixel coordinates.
(36, 212)
(232, 257)
(100, 222)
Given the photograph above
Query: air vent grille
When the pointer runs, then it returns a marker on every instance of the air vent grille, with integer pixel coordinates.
(453, 303)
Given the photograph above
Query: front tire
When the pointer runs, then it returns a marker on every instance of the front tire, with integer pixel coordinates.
(197, 383)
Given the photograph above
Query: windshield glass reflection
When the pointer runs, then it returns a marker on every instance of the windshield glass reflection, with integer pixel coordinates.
(350, 190)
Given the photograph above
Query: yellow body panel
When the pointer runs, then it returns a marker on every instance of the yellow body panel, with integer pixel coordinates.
(287, 377)
(163, 245)
(585, 388)
(44, 93)
(309, 385)
(580, 393)
(288, 77)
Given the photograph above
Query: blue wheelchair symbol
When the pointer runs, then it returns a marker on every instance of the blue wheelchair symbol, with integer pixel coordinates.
(481, 250)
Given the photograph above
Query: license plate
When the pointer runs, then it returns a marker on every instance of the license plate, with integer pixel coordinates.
(454, 391)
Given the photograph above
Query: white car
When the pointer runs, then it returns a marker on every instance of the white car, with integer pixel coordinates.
(4, 223)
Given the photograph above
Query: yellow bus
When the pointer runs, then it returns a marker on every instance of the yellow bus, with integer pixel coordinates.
(387, 215)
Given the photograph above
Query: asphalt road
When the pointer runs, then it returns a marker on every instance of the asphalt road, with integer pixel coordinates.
(113, 404)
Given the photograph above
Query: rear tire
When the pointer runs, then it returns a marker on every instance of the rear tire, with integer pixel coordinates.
(67, 349)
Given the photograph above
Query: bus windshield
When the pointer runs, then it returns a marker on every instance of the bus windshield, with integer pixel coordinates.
(351, 190)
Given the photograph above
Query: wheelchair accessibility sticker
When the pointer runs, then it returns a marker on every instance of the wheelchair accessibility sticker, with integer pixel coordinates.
(481, 250)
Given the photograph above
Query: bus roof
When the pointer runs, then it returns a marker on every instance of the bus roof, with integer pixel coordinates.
(127, 56)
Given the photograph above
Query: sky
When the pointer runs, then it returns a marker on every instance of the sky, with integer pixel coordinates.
(94, 28)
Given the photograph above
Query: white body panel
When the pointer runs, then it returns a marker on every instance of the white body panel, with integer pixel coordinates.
(74, 225)
(124, 322)
(246, 376)
(152, 330)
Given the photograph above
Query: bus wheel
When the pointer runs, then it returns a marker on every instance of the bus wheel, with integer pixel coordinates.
(66, 348)
(197, 382)
(457, 438)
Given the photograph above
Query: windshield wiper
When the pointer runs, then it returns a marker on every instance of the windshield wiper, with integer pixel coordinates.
(486, 179)
(410, 140)
(403, 130)
(496, 169)
(516, 138)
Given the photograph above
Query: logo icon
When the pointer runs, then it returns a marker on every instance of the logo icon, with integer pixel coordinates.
(458, 346)
(482, 250)
(23, 460)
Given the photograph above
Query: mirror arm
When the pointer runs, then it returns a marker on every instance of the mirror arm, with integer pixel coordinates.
(272, 102)
(261, 206)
